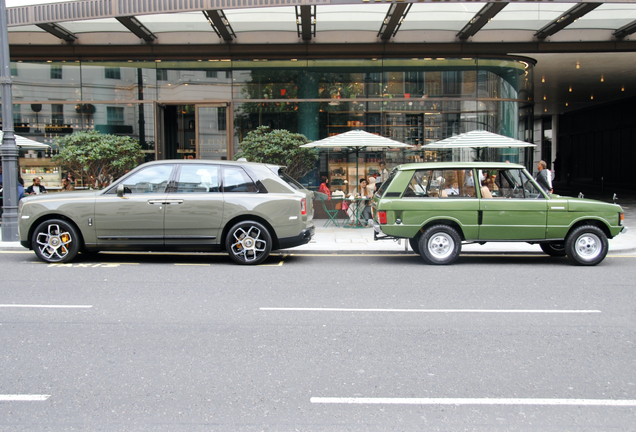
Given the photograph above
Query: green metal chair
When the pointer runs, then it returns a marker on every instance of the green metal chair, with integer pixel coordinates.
(332, 213)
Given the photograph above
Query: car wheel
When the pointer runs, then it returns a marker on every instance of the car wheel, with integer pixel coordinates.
(440, 244)
(415, 244)
(555, 249)
(248, 242)
(56, 241)
(586, 245)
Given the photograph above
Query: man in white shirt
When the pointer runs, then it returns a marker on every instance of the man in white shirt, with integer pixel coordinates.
(36, 188)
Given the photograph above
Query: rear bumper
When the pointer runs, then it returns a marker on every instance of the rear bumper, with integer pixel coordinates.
(304, 237)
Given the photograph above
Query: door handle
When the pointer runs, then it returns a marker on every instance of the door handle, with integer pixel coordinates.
(174, 201)
(156, 202)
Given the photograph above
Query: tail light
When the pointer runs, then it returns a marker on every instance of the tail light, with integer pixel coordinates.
(303, 206)
(621, 218)
(382, 217)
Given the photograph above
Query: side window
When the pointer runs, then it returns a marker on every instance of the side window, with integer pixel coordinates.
(503, 183)
(153, 179)
(235, 179)
(198, 179)
(441, 184)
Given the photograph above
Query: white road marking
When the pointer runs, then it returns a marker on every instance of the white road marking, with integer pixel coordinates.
(46, 306)
(528, 311)
(475, 401)
(23, 398)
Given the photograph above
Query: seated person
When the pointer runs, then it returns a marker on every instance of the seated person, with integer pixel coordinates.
(485, 191)
(454, 189)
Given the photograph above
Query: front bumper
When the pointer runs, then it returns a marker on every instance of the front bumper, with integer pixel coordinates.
(304, 237)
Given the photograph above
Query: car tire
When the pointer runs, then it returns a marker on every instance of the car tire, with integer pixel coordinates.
(56, 241)
(554, 249)
(248, 243)
(440, 245)
(415, 244)
(586, 245)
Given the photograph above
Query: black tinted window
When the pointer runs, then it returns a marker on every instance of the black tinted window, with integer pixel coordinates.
(235, 179)
(386, 184)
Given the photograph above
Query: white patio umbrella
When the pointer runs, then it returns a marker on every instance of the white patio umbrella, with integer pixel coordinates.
(356, 139)
(26, 143)
(478, 139)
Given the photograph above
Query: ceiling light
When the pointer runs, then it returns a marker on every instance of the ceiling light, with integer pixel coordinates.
(545, 97)
(578, 65)
(566, 104)
(602, 78)
(623, 88)
(591, 96)
(570, 89)
(543, 79)
(545, 110)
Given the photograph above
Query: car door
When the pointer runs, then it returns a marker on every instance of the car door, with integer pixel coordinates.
(136, 218)
(511, 206)
(194, 209)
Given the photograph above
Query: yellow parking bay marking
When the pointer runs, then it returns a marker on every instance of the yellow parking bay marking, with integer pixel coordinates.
(205, 265)
(23, 397)
(90, 265)
(511, 311)
(46, 306)
(280, 264)
(474, 401)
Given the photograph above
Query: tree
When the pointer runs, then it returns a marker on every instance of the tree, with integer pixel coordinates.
(279, 147)
(98, 158)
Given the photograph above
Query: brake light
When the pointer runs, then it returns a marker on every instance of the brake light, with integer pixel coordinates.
(382, 217)
(621, 218)
(303, 206)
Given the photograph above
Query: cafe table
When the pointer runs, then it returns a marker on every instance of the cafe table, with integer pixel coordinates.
(354, 212)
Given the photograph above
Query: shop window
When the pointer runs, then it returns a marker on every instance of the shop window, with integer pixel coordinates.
(114, 115)
(57, 114)
(222, 119)
(17, 115)
(162, 75)
(56, 72)
(14, 69)
(112, 73)
(451, 82)
(211, 74)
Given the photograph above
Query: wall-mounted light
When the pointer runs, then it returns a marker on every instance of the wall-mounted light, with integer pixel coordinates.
(570, 89)
(545, 97)
(591, 96)
(602, 78)
(566, 104)
(578, 65)
(622, 88)
(543, 79)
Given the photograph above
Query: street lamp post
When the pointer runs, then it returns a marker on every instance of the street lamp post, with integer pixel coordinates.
(8, 149)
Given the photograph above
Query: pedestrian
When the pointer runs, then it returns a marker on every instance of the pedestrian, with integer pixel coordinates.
(20, 188)
(543, 177)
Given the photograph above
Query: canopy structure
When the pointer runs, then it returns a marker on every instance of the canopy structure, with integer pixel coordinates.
(478, 139)
(357, 139)
(26, 143)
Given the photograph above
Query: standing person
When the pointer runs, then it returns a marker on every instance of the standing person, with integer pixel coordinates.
(36, 188)
(363, 192)
(324, 188)
(66, 185)
(20, 188)
(384, 173)
(543, 177)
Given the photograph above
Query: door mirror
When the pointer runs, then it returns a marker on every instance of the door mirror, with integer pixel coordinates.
(120, 190)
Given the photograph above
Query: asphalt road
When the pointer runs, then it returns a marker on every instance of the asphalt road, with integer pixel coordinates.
(316, 343)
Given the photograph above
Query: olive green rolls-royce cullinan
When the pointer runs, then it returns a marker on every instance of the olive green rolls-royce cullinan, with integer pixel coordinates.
(246, 209)
(439, 206)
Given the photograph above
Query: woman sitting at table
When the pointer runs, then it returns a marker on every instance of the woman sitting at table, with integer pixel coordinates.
(324, 188)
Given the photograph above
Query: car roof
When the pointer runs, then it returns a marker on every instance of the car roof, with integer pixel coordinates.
(457, 165)
(211, 161)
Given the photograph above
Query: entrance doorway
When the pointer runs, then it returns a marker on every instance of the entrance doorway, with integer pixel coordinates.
(194, 131)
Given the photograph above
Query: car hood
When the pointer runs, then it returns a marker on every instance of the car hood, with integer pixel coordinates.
(60, 195)
(586, 204)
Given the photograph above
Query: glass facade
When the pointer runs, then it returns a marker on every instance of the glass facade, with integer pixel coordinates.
(204, 108)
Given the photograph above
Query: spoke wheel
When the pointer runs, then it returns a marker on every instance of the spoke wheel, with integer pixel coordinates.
(440, 244)
(56, 241)
(554, 249)
(248, 243)
(586, 245)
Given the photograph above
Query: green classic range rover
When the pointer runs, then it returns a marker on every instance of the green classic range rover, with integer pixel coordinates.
(246, 209)
(439, 206)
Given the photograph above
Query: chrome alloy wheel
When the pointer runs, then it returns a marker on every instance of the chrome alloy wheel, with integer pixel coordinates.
(588, 246)
(441, 245)
(249, 244)
(54, 244)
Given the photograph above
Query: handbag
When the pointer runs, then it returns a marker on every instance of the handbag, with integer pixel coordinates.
(345, 206)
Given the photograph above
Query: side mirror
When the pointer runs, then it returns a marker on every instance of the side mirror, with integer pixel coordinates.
(120, 190)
